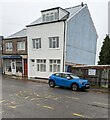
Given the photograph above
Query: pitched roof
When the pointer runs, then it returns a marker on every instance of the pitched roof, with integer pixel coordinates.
(21, 33)
(71, 10)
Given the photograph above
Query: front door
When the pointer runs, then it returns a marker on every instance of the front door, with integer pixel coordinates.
(13, 67)
(25, 67)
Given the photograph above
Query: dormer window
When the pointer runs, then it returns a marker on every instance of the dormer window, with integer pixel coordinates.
(51, 16)
(56, 15)
(47, 17)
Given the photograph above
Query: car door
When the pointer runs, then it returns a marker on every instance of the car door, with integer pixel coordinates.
(58, 79)
(65, 81)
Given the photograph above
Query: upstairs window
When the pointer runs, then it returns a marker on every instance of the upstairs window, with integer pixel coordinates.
(47, 17)
(36, 43)
(53, 42)
(56, 15)
(50, 17)
(8, 46)
(21, 45)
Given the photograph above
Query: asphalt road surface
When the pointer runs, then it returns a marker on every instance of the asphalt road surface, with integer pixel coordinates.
(27, 99)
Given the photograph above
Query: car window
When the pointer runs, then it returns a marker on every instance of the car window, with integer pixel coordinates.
(64, 75)
(58, 74)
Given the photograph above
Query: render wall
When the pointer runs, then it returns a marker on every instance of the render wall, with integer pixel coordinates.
(44, 31)
(81, 39)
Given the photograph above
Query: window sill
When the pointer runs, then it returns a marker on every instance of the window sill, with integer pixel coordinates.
(53, 48)
(36, 49)
(21, 49)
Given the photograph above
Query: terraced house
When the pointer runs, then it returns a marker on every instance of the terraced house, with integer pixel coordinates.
(15, 54)
(61, 38)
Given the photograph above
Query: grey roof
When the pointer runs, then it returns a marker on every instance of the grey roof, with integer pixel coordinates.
(39, 20)
(21, 33)
(71, 10)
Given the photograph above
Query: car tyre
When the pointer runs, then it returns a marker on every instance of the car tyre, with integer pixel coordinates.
(74, 87)
(52, 83)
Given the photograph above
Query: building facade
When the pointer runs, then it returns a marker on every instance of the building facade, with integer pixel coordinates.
(60, 38)
(15, 54)
(1, 39)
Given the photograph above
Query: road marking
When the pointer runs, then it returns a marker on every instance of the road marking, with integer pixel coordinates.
(13, 102)
(79, 115)
(12, 107)
(72, 97)
(100, 103)
(2, 101)
(48, 107)
(75, 98)
(55, 98)
(32, 99)
(26, 97)
(82, 116)
(1, 112)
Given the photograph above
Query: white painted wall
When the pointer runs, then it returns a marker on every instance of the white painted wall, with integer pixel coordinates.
(44, 31)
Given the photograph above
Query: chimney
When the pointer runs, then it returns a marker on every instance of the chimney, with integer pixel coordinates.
(82, 4)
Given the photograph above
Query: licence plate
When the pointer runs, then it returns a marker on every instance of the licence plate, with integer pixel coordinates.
(87, 85)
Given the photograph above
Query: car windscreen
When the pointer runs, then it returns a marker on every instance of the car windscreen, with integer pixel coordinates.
(74, 76)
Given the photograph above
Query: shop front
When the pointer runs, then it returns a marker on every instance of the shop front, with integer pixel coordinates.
(14, 65)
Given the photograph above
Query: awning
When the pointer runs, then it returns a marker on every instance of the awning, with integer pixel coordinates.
(11, 56)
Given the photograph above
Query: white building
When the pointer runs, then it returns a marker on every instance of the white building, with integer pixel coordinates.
(60, 38)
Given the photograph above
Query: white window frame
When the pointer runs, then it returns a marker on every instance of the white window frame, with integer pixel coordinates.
(8, 46)
(41, 65)
(48, 17)
(21, 45)
(54, 65)
(53, 42)
(36, 43)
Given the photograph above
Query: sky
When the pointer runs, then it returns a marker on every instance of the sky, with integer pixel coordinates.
(16, 14)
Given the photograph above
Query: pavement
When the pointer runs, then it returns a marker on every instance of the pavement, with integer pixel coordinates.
(42, 80)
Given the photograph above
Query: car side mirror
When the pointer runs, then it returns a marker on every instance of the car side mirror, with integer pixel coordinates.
(68, 78)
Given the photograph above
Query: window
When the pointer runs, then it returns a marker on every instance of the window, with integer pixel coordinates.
(36, 43)
(56, 15)
(53, 42)
(21, 45)
(50, 16)
(43, 17)
(54, 65)
(9, 46)
(47, 17)
(41, 65)
(19, 66)
(8, 66)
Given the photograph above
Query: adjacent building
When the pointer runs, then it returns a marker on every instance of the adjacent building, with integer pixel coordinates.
(15, 54)
(1, 39)
(59, 39)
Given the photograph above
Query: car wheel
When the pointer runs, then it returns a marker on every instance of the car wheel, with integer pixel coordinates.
(51, 83)
(74, 87)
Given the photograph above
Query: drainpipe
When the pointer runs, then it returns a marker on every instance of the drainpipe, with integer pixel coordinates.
(64, 47)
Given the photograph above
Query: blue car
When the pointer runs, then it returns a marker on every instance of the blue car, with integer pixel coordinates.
(68, 80)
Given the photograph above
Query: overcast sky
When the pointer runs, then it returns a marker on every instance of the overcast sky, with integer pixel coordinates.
(16, 14)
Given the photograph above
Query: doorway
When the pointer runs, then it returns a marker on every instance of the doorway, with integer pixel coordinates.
(13, 67)
(25, 67)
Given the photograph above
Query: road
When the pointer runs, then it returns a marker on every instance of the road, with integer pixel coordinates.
(27, 99)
